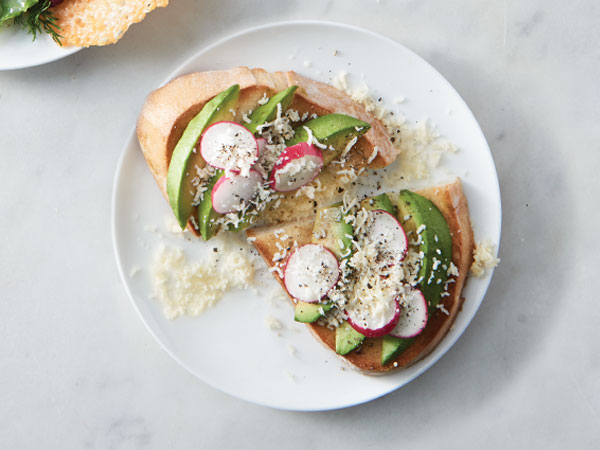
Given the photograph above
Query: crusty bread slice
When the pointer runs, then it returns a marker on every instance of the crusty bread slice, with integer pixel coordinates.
(168, 110)
(453, 205)
(99, 22)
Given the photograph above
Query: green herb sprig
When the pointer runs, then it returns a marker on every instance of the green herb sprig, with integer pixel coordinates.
(39, 19)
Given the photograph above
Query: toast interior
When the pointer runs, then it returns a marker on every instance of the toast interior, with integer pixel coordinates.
(452, 203)
(168, 110)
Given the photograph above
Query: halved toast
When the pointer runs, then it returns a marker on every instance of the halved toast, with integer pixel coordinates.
(452, 203)
(169, 109)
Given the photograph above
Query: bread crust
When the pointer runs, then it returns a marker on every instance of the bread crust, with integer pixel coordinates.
(452, 203)
(168, 110)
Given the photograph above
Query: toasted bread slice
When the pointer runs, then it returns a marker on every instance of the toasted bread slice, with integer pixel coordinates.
(453, 205)
(99, 22)
(168, 110)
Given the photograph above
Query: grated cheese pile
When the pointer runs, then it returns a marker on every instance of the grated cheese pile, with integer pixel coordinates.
(484, 258)
(420, 146)
(189, 287)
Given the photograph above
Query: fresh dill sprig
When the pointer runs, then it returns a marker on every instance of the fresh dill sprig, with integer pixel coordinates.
(39, 19)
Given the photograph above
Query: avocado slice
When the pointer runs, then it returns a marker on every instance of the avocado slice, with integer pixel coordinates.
(381, 201)
(207, 216)
(267, 112)
(181, 169)
(421, 213)
(392, 346)
(347, 339)
(331, 129)
(332, 232)
(416, 212)
(310, 312)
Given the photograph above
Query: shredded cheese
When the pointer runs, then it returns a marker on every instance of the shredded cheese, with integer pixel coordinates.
(189, 287)
(420, 146)
(484, 258)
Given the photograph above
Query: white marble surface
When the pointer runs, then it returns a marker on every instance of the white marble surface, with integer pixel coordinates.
(78, 368)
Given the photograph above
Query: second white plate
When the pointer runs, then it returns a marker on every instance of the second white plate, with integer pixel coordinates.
(229, 346)
(17, 50)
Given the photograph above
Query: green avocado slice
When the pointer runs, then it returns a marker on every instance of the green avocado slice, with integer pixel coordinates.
(415, 212)
(267, 112)
(347, 339)
(392, 346)
(381, 201)
(207, 216)
(181, 169)
(421, 214)
(310, 312)
(334, 130)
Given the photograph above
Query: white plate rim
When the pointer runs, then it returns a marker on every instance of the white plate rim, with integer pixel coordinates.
(445, 344)
(43, 52)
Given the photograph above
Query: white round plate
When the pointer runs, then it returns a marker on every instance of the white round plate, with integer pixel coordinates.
(17, 50)
(230, 346)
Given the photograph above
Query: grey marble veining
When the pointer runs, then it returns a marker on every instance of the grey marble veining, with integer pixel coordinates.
(80, 371)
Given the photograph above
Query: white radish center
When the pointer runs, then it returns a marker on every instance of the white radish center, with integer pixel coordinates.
(232, 193)
(388, 237)
(374, 313)
(296, 166)
(310, 273)
(229, 146)
(413, 318)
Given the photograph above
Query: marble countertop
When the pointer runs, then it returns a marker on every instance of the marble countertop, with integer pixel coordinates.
(78, 368)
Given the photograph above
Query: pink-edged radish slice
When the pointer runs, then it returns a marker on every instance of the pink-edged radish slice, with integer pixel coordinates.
(229, 146)
(388, 236)
(230, 192)
(310, 273)
(262, 143)
(296, 166)
(413, 319)
(375, 319)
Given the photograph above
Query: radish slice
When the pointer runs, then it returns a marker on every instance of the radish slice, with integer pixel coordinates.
(376, 319)
(414, 315)
(297, 165)
(230, 192)
(229, 146)
(262, 143)
(310, 273)
(388, 237)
